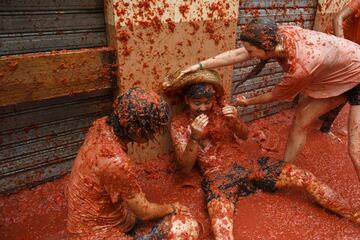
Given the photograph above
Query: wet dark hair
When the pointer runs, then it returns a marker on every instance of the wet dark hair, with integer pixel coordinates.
(145, 113)
(199, 90)
(261, 33)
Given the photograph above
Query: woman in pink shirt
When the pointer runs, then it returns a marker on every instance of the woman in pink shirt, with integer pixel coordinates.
(325, 68)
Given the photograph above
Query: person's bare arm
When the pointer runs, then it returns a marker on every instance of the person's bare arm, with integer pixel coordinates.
(237, 124)
(338, 20)
(261, 99)
(145, 210)
(231, 57)
(186, 158)
(120, 181)
(186, 154)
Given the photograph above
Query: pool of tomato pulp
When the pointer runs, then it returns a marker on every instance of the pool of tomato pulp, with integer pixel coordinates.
(40, 213)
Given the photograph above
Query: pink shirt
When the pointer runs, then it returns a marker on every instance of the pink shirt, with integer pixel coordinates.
(319, 65)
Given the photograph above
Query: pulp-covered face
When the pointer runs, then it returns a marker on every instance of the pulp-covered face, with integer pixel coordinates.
(200, 105)
(254, 51)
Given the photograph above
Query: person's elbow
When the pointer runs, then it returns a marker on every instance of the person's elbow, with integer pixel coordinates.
(140, 206)
(242, 54)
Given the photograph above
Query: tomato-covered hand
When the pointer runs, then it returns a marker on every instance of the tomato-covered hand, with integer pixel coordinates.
(230, 111)
(241, 101)
(198, 126)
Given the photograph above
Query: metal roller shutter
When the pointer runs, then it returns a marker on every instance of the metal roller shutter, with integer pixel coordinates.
(295, 12)
(39, 140)
(42, 25)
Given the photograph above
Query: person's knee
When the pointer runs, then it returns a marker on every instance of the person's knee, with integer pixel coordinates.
(184, 227)
(301, 178)
(299, 122)
(220, 206)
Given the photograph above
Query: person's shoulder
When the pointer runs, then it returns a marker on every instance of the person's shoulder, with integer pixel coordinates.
(99, 125)
(97, 132)
(117, 160)
(104, 132)
(100, 121)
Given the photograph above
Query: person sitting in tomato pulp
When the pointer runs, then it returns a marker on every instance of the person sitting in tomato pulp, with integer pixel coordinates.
(104, 197)
(207, 133)
(325, 69)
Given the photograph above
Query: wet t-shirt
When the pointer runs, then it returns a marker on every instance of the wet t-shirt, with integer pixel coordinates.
(101, 177)
(220, 149)
(352, 23)
(318, 64)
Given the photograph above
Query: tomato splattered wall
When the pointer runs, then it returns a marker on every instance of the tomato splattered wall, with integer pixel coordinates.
(156, 37)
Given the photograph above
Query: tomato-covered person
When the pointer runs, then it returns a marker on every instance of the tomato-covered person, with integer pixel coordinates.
(324, 68)
(206, 133)
(104, 197)
(346, 24)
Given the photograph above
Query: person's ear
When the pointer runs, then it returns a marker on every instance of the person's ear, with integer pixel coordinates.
(122, 121)
(186, 100)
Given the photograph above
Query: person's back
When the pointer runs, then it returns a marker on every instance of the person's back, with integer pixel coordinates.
(322, 64)
(91, 203)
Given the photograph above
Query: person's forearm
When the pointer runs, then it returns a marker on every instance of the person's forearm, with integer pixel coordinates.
(338, 20)
(188, 158)
(158, 210)
(261, 99)
(226, 58)
(145, 210)
(240, 129)
(338, 29)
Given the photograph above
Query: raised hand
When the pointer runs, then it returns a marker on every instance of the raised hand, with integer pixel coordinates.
(198, 126)
(166, 84)
(192, 68)
(230, 111)
(241, 101)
